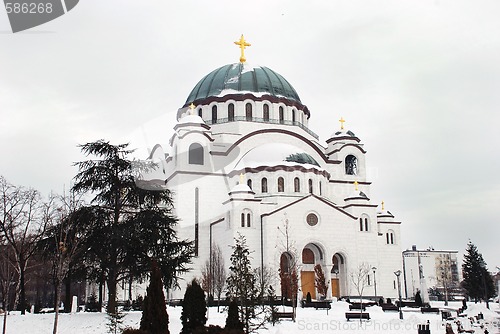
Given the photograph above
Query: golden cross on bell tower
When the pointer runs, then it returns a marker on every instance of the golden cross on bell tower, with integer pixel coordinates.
(383, 206)
(242, 44)
(342, 121)
(356, 185)
(191, 108)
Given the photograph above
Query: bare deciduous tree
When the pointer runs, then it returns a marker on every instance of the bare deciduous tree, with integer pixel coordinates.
(23, 220)
(214, 274)
(320, 280)
(359, 278)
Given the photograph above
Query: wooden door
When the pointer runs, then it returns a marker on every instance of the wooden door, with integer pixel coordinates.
(335, 288)
(307, 280)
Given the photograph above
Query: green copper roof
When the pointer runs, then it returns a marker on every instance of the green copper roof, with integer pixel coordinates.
(242, 78)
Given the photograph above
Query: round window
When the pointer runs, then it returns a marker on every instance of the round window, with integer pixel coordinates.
(312, 219)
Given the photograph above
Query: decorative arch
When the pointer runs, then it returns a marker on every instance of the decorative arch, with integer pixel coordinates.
(214, 114)
(265, 112)
(338, 275)
(281, 184)
(248, 111)
(230, 112)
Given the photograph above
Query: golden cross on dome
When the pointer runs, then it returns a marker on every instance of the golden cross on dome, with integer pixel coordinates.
(242, 178)
(383, 206)
(242, 44)
(356, 185)
(342, 121)
(191, 108)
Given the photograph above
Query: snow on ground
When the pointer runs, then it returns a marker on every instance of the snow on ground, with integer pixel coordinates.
(308, 321)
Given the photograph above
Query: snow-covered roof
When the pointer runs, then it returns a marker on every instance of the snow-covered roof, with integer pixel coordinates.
(191, 119)
(276, 154)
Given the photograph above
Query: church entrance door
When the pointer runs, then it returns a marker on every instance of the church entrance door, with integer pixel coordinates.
(307, 280)
(335, 288)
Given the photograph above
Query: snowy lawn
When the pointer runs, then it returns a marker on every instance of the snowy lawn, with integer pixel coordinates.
(308, 321)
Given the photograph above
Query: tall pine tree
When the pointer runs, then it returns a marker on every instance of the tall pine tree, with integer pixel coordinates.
(477, 281)
(154, 315)
(194, 309)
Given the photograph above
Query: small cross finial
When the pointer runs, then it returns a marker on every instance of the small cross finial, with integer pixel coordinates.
(356, 185)
(242, 178)
(383, 206)
(191, 108)
(342, 121)
(242, 44)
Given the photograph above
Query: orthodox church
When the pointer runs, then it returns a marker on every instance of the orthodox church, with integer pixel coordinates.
(244, 161)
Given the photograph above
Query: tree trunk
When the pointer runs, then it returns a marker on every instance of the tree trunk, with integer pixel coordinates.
(111, 282)
(67, 298)
(101, 284)
(22, 290)
(56, 306)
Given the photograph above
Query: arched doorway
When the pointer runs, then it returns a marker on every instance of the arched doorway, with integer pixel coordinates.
(312, 254)
(338, 273)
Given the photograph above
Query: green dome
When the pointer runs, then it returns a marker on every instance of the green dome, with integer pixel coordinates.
(242, 78)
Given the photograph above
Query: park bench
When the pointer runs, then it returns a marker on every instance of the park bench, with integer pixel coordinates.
(389, 307)
(429, 310)
(324, 304)
(357, 315)
(446, 315)
(283, 315)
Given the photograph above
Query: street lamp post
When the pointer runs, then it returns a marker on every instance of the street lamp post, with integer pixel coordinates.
(374, 281)
(398, 273)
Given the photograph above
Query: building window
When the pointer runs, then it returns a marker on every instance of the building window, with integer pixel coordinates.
(230, 112)
(307, 256)
(263, 185)
(248, 111)
(293, 116)
(281, 184)
(389, 236)
(394, 284)
(214, 114)
(320, 190)
(351, 165)
(310, 186)
(195, 154)
(249, 183)
(296, 185)
(281, 115)
(312, 219)
(246, 219)
(363, 224)
(266, 113)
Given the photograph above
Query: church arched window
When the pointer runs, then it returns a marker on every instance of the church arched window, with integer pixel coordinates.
(230, 112)
(195, 154)
(265, 113)
(249, 183)
(214, 114)
(248, 111)
(296, 185)
(351, 165)
(389, 236)
(363, 223)
(281, 115)
(246, 218)
(263, 185)
(200, 113)
(320, 189)
(293, 116)
(281, 184)
(310, 186)
(307, 256)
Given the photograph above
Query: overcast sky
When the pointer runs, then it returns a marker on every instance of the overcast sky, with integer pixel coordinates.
(417, 81)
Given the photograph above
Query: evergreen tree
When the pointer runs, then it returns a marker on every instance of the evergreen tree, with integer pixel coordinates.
(477, 281)
(242, 286)
(233, 320)
(194, 308)
(129, 225)
(154, 315)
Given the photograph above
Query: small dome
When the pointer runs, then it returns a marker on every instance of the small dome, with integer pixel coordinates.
(191, 119)
(241, 78)
(276, 154)
(343, 133)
